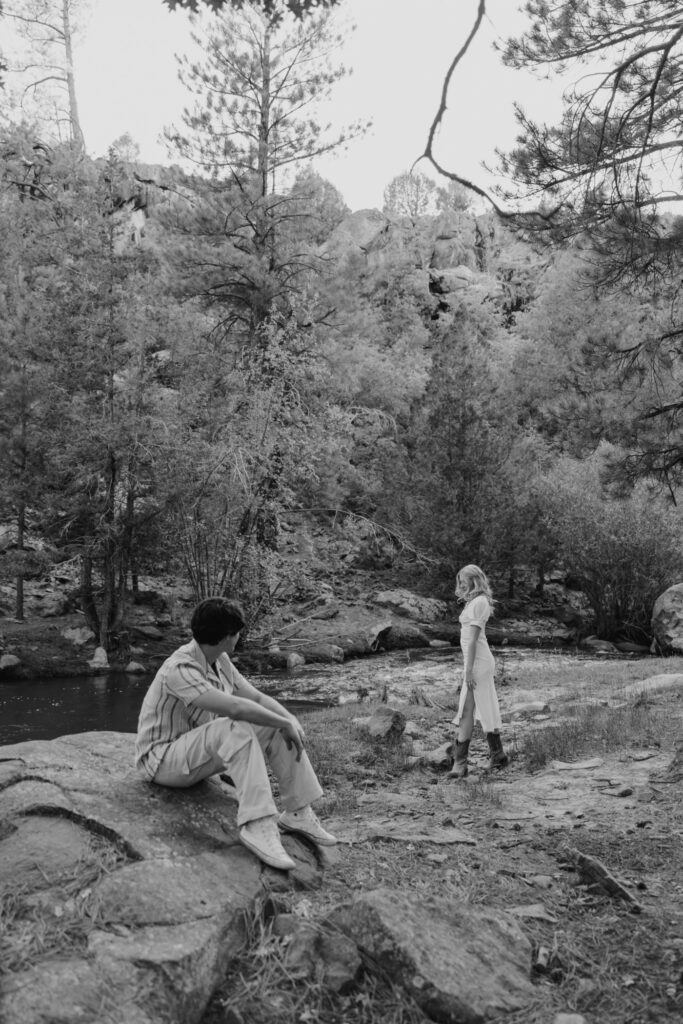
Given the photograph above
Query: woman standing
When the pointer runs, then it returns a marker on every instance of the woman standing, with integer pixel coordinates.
(478, 698)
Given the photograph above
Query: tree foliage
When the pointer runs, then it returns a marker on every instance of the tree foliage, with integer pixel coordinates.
(609, 175)
(410, 195)
(42, 72)
(619, 142)
(254, 121)
(254, 356)
(272, 8)
(623, 552)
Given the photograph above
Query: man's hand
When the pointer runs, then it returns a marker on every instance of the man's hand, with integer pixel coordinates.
(294, 736)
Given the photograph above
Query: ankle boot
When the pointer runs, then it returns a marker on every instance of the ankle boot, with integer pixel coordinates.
(459, 769)
(498, 758)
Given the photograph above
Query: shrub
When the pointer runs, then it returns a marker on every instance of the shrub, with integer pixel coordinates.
(622, 551)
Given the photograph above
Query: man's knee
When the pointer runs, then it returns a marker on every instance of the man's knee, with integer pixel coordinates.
(231, 737)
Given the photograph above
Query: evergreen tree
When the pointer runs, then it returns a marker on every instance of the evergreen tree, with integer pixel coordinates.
(463, 441)
(619, 139)
(42, 71)
(85, 341)
(257, 88)
(26, 383)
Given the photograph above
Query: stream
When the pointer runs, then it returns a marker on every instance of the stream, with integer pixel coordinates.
(47, 708)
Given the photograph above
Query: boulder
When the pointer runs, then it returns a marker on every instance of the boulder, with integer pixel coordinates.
(9, 664)
(453, 279)
(459, 962)
(99, 661)
(386, 723)
(152, 886)
(401, 636)
(667, 620)
(134, 668)
(319, 954)
(148, 631)
(78, 635)
(453, 243)
(440, 757)
(598, 646)
(322, 652)
(528, 707)
(355, 232)
(412, 606)
(628, 647)
(48, 605)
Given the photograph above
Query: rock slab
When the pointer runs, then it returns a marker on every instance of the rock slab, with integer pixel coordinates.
(459, 962)
(151, 887)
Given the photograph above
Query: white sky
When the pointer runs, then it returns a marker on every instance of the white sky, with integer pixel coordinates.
(401, 49)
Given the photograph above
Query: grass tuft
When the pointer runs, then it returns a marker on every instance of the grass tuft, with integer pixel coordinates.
(58, 920)
(274, 993)
(593, 729)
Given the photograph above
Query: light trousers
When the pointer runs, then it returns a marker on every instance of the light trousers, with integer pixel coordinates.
(240, 749)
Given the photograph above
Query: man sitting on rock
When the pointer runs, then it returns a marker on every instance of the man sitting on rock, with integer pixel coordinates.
(200, 717)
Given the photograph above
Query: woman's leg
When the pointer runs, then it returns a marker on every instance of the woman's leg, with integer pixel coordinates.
(466, 724)
(463, 735)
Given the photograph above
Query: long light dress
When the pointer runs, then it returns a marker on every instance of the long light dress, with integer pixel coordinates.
(476, 613)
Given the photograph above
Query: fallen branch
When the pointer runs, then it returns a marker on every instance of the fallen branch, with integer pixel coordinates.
(594, 875)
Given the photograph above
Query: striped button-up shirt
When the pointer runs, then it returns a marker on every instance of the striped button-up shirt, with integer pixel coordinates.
(168, 709)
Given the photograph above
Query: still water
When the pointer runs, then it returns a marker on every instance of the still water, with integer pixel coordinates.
(49, 708)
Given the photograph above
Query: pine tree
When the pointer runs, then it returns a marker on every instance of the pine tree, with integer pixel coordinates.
(257, 86)
(42, 71)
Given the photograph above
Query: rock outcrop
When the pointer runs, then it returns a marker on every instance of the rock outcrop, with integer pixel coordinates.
(438, 255)
(459, 962)
(667, 620)
(142, 893)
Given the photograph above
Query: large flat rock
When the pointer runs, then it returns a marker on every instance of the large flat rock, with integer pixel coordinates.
(142, 893)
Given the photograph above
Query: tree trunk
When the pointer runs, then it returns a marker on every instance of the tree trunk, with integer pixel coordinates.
(88, 605)
(19, 601)
(264, 126)
(76, 130)
(108, 615)
(21, 513)
(125, 552)
(541, 577)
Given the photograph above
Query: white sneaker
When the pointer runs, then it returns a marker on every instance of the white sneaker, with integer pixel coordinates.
(306, 823)
(262, 838)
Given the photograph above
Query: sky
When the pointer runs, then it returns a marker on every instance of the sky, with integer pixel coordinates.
(126, 78)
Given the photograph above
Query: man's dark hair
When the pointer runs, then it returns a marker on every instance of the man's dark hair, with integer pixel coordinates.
(215, 618)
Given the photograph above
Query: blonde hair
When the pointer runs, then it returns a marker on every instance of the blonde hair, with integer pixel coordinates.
(470, 582)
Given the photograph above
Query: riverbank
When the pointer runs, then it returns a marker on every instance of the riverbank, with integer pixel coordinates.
(589, 787)
(315, 632)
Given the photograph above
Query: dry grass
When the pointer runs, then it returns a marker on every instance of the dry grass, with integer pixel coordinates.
(605, 962)
(481, 792)
(273, 992)
(589, 729)
(585, 676)
(56, 921)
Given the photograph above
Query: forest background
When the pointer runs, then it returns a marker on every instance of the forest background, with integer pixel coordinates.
(201, 356)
